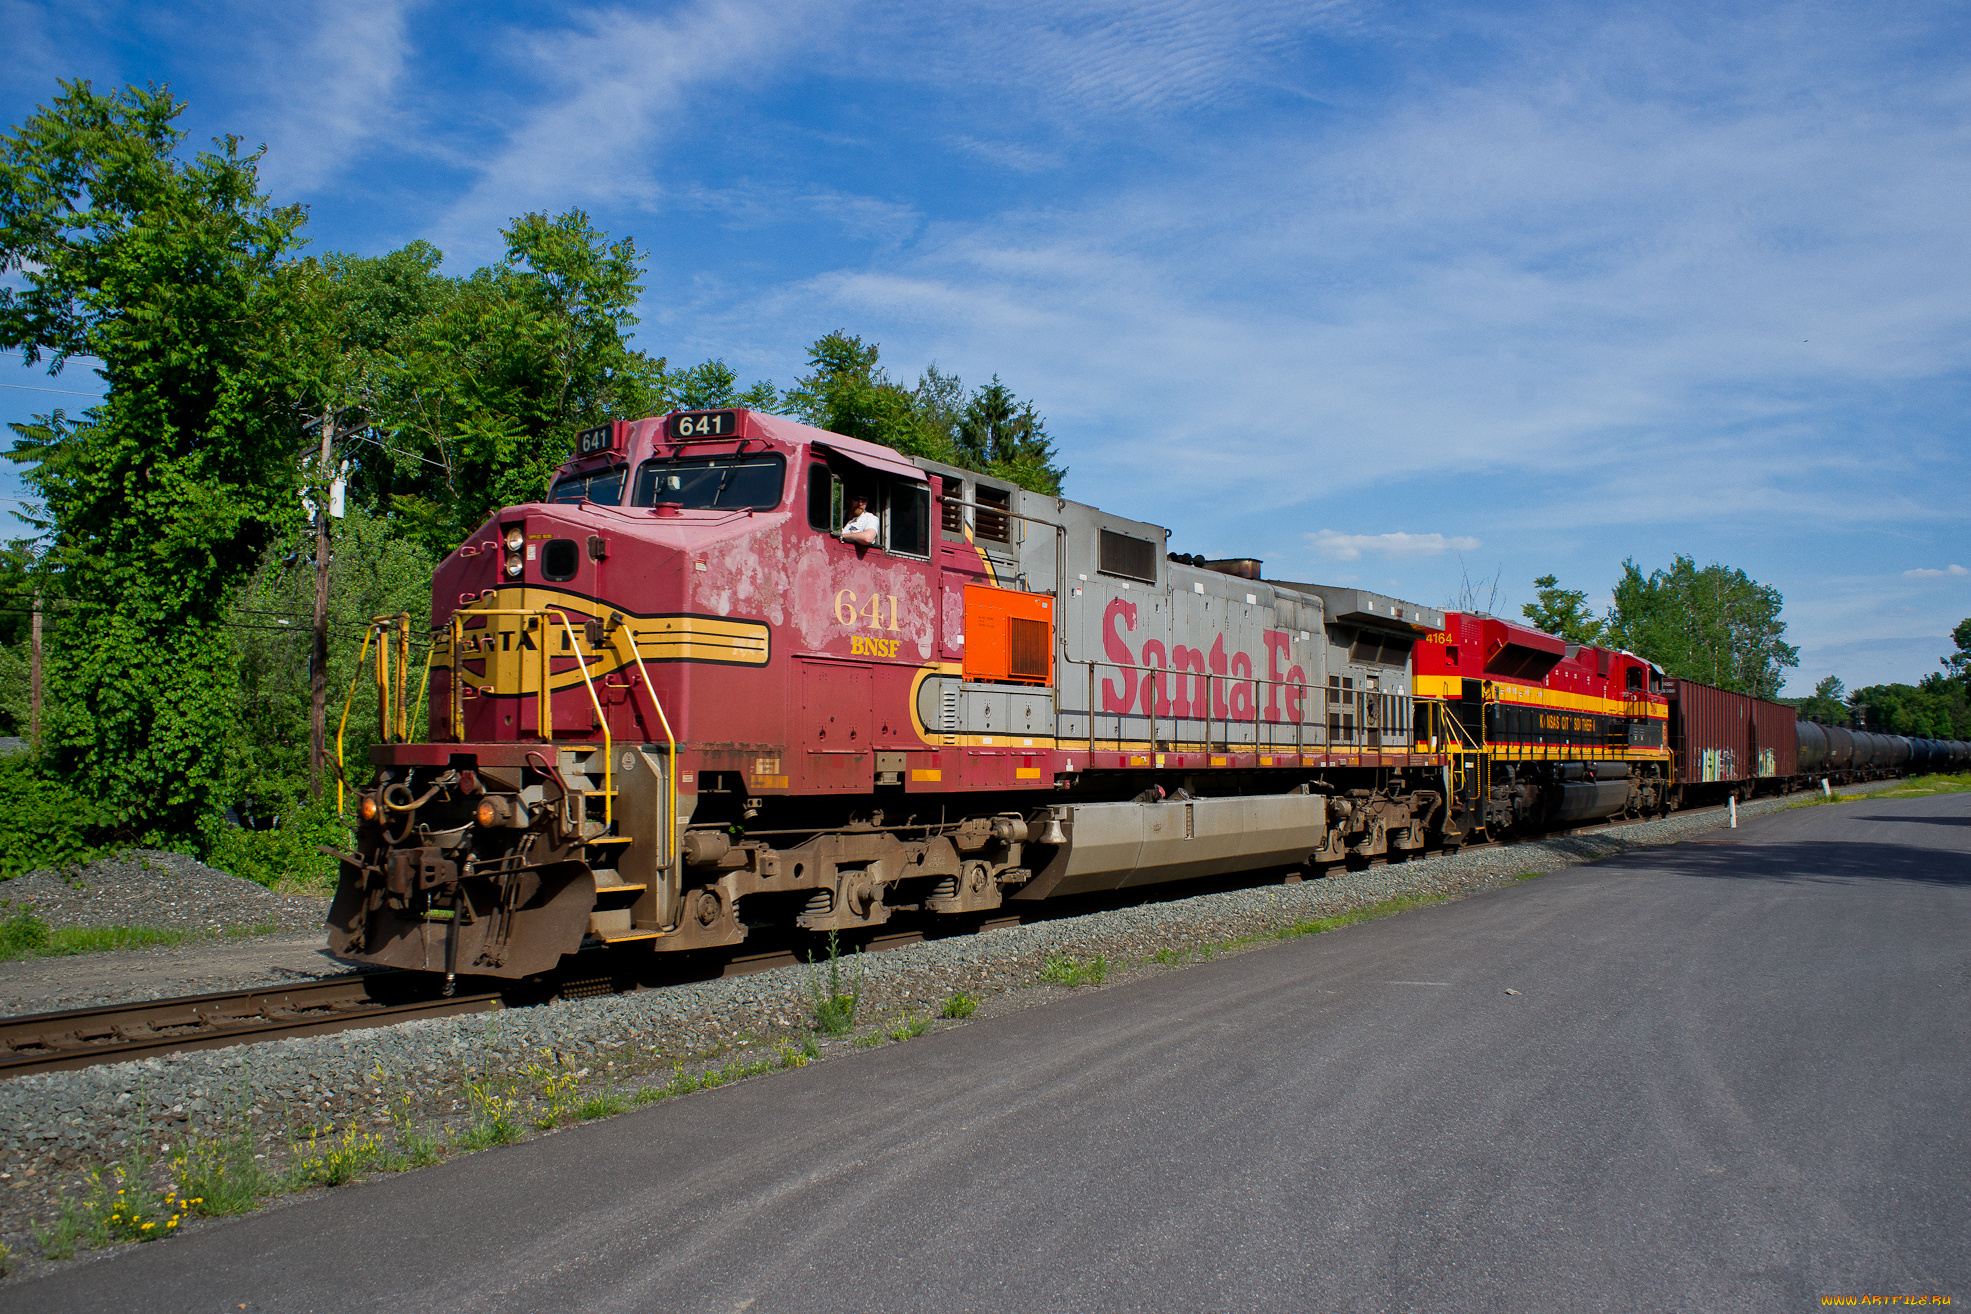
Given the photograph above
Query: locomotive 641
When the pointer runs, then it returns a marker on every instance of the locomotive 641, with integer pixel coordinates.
(672, 702)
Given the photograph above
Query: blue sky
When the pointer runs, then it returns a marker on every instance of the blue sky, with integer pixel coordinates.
(1397, 294)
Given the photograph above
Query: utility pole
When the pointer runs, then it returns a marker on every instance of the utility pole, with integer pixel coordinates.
(34, 678)
(318, 664)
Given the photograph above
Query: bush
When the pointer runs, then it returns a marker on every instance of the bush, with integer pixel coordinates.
(45, 823)
(21, 934)
(288, 853)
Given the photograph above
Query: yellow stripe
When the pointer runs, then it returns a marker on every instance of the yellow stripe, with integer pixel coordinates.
(1527, 695)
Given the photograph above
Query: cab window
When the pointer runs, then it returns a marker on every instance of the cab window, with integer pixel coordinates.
(602, 487)
(903, 507)
(725, 482)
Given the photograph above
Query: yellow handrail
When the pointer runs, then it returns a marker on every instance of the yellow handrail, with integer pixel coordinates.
(608, 744)
(670, 740)
(343, 725)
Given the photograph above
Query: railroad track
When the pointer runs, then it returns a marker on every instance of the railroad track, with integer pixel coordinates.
(84, 1037)
(80, 1038)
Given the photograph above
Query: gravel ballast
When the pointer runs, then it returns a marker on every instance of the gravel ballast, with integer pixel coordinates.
(54, 1126)
(153, 887)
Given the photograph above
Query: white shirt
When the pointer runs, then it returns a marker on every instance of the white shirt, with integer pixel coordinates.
(867, 521)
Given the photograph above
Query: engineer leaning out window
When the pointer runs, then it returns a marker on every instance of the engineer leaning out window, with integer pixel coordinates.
(862, 523)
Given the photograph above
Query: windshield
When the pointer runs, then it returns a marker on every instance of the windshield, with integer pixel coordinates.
(603, 487)
(726, 482)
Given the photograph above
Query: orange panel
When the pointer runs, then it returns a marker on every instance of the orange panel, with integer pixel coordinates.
(1009, 635)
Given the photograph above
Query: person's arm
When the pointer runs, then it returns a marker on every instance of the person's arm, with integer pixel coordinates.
(865, 535)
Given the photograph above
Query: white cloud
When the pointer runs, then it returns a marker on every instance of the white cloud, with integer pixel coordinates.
(1925, 573)
(1351, 547)
(330, 75)
(620, 86)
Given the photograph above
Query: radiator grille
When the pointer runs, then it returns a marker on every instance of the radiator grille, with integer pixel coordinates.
(1026, 648)
(1132, 558)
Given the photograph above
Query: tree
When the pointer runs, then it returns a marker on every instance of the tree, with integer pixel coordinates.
(1937, 707)
(990, 431)
(1716, 625)
(1959, 663)
(491, 386)
(169, 272)
(1005, 437)
(847, 392)
(1828, 703)
(1562, 612)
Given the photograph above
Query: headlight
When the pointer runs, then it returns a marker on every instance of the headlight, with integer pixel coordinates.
(368, 807)
(515, 540)
(514, 565)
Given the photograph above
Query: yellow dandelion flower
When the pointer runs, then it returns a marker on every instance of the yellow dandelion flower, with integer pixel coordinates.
(149, 1226)
(172, 1223)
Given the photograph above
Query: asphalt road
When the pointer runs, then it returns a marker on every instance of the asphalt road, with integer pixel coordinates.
(1734, 1076)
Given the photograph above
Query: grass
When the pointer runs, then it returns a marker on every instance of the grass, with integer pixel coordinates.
(223, 1177)
(23, 935)
(1387, 908)
(1925, 786)
(1061, 970)
(959, 1006)
(1529, 875)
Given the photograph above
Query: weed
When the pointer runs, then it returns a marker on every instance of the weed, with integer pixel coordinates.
(336, 1162)
(420, 1149)
(606, 1105)
(6, 1259)
(495, 1118)
(1170, 957)
(122, 1206)
(556, 1086)
(960, 1005)
(810, 1047)
(835, 1007)
(870, 1041)
(1207, 952)
(650, 1095)
(1529, 875)
(793, 1058)
(1924, 786)
(68, 1231)
(1060, 969)
(910, 1028)
(221, 1177)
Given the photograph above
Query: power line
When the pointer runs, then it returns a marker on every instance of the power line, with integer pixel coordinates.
(64, 392)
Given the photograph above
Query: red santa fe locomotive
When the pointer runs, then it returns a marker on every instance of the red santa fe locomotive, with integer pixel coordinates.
(672, 703)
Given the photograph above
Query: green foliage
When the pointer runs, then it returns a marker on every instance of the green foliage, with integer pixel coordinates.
(848, 392)
(1562, 612)
(285, 855)
(1828, 703)
(21, 933)
(502, 370)
(835, 1006)
(46, 823)
(1062, 970)
(168, 272)
(1937, 708)
(1959, 662)
(1716, 625)
(221, 1177)
(959, 1006)
(910, 1027)
(374, 572)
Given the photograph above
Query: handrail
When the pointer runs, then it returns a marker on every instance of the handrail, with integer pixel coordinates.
(671, 837)
(348, 702)
(608, 744)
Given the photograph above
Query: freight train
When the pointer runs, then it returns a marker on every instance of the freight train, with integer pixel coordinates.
(675, 703)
